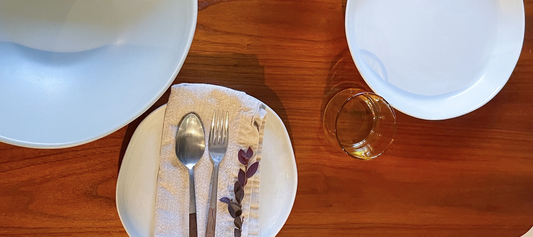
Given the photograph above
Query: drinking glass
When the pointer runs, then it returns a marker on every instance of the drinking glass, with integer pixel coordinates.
(361, 123)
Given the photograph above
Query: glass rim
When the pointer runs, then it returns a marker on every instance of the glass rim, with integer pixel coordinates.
(362, 93)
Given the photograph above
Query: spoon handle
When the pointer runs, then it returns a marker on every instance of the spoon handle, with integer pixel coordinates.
(193, 227)
(211, 218)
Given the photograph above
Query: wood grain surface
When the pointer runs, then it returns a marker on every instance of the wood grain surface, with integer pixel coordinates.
(468, 176)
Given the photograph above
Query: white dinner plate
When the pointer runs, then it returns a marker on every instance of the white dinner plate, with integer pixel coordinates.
(529, 233)
(136, 184)
(435, 59)
(74, 71)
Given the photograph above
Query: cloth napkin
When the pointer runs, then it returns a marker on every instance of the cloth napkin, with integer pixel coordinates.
(247, 118)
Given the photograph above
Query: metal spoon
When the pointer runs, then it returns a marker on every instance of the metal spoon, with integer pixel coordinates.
(190, 146)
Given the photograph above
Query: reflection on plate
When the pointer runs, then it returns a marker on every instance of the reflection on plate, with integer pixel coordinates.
(136, 184)
(435, 59)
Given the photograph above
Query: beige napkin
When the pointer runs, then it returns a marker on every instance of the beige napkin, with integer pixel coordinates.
(247, 117)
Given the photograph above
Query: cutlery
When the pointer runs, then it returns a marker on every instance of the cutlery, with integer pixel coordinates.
(190, 146)
(218, 144)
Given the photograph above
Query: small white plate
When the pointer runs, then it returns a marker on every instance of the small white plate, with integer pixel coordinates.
(136, 184)
(435, 59)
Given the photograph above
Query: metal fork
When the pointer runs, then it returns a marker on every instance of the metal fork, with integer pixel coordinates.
(218, 144)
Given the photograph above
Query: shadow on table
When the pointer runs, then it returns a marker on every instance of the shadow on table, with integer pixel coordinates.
(236, 71)
(342, 74)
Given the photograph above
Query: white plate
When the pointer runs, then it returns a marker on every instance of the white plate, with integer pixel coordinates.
(529, 233)
(74, 71)
(435, 59)
(136, 184)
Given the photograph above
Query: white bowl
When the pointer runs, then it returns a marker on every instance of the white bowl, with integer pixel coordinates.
(74, 71)
(435, 59)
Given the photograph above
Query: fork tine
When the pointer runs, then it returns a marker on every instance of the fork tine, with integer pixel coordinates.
(226, 128)
(217, 129)
(212, 130)
(221, 128)
(219, 134)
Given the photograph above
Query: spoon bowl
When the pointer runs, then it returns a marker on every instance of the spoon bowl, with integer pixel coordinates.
(190, 141)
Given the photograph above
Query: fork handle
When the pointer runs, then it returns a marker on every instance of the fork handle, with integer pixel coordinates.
(211, 218)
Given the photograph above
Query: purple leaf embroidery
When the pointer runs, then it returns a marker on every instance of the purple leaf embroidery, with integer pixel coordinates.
(235, 207)
(252, 169)
(249, 153)
(242, 178)
(238, 222)
(236, 187)
(239, 195)
(231, 211)
(242, 159)
(225, 200)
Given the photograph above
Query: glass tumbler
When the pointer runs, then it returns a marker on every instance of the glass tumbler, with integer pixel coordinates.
(361, 123)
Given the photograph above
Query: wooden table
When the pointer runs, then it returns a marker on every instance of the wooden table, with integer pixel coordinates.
(468, 176)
